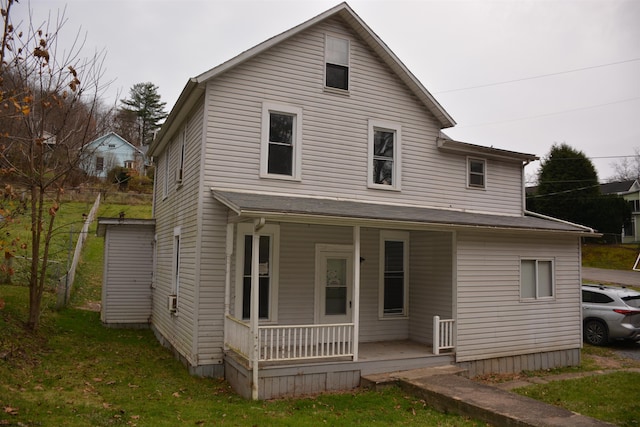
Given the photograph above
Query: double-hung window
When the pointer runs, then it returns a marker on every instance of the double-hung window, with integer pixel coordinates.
(267, 271)
(536, 279)
(384, 155)
(336, 63)
(476, 173)
(281, 148)
(394, 274)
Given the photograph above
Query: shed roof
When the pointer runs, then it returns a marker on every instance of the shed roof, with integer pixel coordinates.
(252, 205)
(104, 223)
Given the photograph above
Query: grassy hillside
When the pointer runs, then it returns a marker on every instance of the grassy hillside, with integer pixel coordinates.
(616, 257)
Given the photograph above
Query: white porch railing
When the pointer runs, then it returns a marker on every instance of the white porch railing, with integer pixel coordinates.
(442, 334)
(291, 342)
(295, 342)
(237, 336)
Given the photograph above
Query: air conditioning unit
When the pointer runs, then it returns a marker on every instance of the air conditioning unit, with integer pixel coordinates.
(173, 303)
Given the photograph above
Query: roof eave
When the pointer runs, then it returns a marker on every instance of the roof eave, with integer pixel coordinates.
(457, 147)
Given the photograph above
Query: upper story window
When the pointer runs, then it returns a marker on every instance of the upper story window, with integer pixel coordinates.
(384, 155)
(99, 164)
(476, 172)
(536, 278)
(281, 148)
(336, 57)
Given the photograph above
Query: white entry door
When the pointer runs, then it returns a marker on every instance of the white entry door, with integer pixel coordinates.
(334, 283)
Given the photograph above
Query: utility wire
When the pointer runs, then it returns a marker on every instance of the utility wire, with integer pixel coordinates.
(536, 77)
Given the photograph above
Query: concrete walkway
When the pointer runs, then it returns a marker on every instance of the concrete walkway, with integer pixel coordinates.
(618, 277)
(445, 390)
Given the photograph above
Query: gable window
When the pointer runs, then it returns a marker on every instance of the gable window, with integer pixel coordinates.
(384, 155)
(336, 62)
(267, 271)
(281, 147)
(476, 173)
(536, 279)
(129, 164)
(394, 272)
(99, 164)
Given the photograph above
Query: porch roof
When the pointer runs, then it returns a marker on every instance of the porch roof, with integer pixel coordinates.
(278, 207)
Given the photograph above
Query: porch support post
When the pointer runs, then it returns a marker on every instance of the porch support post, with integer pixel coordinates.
(255, 306)
(356, 290)
(227, 278)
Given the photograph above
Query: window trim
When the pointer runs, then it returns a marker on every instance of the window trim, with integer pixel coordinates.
(373, 126)
(180, 170)
(484, 173)
(296, 156)
(273, 231)
(325, 62)
(165, 184)
(176, 265)
(537, 296)
(394, 236)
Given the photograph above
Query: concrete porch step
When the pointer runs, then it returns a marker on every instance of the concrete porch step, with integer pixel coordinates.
(376, 381)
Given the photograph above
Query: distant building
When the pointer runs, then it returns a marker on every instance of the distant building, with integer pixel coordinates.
(630, 191)
(110, 151)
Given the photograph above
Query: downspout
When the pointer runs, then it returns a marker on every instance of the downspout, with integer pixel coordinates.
(255, 305)
(227, 279)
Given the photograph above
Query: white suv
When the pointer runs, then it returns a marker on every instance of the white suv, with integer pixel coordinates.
(610, 313)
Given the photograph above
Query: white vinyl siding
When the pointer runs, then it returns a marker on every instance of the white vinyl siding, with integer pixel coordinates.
(126, 290)
(335, 129)
(492, 321)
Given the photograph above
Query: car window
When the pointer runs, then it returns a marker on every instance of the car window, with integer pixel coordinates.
(595, 297)
(632, 301)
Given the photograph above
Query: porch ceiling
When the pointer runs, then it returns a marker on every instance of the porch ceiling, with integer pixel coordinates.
(309, 209)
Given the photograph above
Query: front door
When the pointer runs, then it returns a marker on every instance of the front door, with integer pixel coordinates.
(334, 283)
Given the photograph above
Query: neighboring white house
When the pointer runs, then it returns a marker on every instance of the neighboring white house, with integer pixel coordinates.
(313, 223)
(110, 151)
(630, 192)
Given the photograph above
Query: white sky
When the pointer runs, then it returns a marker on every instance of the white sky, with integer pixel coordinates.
(519, 75)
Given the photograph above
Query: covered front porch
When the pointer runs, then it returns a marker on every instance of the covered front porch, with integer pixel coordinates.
(331, 299)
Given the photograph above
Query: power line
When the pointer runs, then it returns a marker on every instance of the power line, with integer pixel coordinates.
(536, 77)
(550, 114)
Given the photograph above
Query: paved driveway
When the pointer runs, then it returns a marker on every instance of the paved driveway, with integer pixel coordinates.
(619, 277)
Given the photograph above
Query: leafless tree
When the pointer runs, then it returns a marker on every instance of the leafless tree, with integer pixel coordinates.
(49, 109)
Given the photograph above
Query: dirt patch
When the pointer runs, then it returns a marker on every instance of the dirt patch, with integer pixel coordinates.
(607, 362)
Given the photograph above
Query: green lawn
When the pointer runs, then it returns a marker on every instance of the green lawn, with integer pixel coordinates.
(615, 257)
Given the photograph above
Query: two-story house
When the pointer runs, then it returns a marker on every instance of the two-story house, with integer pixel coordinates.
(313, 224)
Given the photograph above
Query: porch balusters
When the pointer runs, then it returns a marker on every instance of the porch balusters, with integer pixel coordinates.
(296, 342)
(442, 334)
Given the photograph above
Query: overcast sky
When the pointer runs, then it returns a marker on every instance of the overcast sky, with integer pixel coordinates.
(518, 75)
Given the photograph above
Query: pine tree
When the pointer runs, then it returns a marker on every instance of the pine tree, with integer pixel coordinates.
(145, 105)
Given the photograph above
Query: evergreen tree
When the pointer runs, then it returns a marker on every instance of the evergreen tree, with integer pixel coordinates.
(145, 105)
(569, 189)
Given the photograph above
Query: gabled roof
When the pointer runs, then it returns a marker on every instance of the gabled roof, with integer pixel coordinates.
(195, 86)
(299, 208)
(113, 135)
(620, 187)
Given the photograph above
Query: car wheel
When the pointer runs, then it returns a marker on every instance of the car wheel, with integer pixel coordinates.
(595, 332)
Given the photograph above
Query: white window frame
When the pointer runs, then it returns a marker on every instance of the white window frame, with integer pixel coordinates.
(165, 184)
(176, 263)
(536, 291)
(395, 236)
(273, 231)
(296, 156)
(378, 125)
(327, 61)
(180, 170)
(484, 173)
